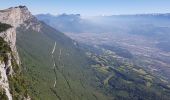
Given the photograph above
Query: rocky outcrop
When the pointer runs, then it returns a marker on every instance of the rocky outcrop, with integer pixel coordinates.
(10, 37)
(16, 17)
(4, 78)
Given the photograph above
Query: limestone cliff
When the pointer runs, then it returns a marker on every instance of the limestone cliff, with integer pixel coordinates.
(14, 16)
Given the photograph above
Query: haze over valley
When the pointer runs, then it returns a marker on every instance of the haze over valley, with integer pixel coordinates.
(145, 36)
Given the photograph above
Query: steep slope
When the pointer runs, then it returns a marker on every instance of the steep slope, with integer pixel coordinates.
(47, 73)
(145, 36)
(53, 65)
(124, 58)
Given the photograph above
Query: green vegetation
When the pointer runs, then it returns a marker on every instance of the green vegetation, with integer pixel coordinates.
(102, 77)
(124, 81)
(17, 83)
(140, 71)
(74, 78)
(3, 48)
(3, 95)
(106, 81)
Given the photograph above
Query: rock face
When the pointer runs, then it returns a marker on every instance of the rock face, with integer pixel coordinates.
(14, 16)
(4, 79)
(10, 37)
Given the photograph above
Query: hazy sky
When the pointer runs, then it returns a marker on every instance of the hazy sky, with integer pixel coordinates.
(91, 7)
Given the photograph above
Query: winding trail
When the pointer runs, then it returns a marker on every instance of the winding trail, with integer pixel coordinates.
(54, 65)
(55, 83)
(53, 49)
(56, 68)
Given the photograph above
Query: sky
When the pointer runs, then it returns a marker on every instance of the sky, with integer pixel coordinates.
(91, 7)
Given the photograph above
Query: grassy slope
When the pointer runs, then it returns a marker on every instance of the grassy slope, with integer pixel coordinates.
(73, 80)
